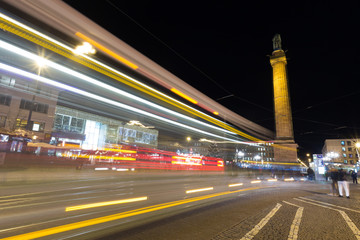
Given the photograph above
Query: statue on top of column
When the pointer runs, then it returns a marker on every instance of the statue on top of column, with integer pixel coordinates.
(276, 42)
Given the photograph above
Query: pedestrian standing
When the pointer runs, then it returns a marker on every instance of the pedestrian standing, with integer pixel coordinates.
(343, 184)
(334, 175)
(354, 177)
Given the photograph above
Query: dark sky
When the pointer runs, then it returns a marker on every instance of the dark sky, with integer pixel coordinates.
(221, 48)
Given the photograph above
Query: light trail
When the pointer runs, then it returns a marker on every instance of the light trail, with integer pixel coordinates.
(8, 47)
(102, 204)
(94, 221)
(235, 184)
(256, 181)
(24, 31)
(200, 190)
(102, 99)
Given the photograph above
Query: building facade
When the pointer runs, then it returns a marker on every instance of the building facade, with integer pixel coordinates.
(342, 151)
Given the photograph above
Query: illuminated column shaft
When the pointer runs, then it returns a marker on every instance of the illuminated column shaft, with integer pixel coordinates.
(283, 119)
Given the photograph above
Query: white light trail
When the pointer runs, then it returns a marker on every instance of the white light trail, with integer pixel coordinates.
(102, 99)
(34, 57)
(99, 63)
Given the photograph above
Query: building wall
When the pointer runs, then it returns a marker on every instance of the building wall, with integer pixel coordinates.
(344, 147)
(19, 90)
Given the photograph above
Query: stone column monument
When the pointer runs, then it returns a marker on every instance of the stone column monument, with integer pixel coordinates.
(285, 148)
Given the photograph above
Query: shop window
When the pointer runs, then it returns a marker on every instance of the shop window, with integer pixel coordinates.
(38, 127)
(21, 123)
(5, 100)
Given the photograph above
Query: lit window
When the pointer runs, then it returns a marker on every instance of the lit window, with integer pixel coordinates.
(21, 123)
(344, 154)
(343, 148)
(343, 143)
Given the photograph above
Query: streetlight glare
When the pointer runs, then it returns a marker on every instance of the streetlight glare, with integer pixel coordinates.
(357, 144)
(40, 62)
(85, 48)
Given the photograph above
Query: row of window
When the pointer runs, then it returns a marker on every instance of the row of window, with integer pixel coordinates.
(344, 149)
(68, 123)
(35, 106)
(25, 104)
(36, 126)
(350, 155)
(347, 143)
(351, 161)
(7, 81)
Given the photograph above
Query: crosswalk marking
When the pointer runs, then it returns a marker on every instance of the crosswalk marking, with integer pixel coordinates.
(262, 223)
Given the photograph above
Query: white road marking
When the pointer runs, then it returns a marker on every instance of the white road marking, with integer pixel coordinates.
(329, 204)
(350, 223)
(294, 229)
(262, 223)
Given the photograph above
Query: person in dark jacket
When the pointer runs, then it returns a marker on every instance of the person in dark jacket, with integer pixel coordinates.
(311, 174)
(354, 177)
(334, 175)
(343, 183)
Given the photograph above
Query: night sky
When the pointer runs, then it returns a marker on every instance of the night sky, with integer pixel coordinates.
(222, 48)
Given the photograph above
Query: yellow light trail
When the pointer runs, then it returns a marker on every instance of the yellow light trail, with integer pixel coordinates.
(106, 50)
(275, 163)
(272, 180)
(184, 96)
(118, 150)
(235, 184)
(289, 179)
(200, 190)
(102, 204)
(33, 36)
(256, 181)
(94, 221)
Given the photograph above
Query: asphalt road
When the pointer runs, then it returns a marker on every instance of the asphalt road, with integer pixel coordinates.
(56, 205)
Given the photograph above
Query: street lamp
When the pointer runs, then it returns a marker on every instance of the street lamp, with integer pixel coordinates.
(40, 63)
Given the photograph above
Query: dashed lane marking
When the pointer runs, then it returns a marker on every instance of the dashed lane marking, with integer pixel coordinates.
(294, 229)
(261, 224)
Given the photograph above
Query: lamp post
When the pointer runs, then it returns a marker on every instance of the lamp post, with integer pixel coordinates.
(40, 62)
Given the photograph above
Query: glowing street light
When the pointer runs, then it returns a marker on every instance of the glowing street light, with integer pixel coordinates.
(85, 48)
(40, 63)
